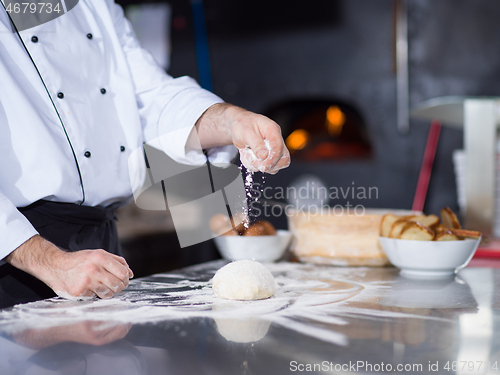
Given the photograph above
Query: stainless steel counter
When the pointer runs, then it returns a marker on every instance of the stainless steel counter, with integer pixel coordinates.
(321, 320)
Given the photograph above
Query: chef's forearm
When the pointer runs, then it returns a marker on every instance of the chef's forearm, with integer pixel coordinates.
(33, 256)
(78, 274)
(213, 128)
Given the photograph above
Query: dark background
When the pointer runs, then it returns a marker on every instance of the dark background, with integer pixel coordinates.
(269, 52)
(265, 53)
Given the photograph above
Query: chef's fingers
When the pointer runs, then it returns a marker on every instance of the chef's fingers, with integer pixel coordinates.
(117, 266)
(253, 138)
(107, 286)
(115, 280)
(247, 159)
(278, 156)
(260, 142)
(87, 294)
(102, 291)
(273, 164)
(124, 262)
(283, 162)
(272, 134)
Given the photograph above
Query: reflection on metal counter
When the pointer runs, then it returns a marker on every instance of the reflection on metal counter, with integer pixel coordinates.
(321, 318)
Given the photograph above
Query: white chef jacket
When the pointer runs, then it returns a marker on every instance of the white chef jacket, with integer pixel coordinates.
(110, 96)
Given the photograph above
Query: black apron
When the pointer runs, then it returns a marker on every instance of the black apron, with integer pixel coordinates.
(70, 227)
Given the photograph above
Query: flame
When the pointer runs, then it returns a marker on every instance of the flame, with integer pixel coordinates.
(297, 140)
(335, 120)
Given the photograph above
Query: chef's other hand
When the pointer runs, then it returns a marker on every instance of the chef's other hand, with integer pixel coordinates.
(80, 274)
(257, 137)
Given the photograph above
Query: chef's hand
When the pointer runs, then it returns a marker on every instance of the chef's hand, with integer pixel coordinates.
(224, 124)
(85, 273)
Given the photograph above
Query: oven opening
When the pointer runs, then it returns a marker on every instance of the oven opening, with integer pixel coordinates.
(322, 130)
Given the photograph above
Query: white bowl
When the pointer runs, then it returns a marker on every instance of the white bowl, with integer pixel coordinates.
(258, 248)
(429, 258)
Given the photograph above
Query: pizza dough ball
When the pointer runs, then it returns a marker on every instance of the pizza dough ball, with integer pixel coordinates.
(243, 280)
(260, 228)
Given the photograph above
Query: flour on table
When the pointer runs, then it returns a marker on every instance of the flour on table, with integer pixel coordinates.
(304, 293)
(73, 298)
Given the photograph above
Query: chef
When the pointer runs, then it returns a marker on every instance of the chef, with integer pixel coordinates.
(79, 97)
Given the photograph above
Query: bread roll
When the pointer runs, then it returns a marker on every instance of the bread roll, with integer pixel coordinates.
(260, 228)
(232, 232)
(241, 222)
(220, 224)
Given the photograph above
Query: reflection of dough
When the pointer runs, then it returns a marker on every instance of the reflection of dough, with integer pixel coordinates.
(243, 280)
(242, 330)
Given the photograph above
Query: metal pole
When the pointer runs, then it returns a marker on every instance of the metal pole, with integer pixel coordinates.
(402, 80)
